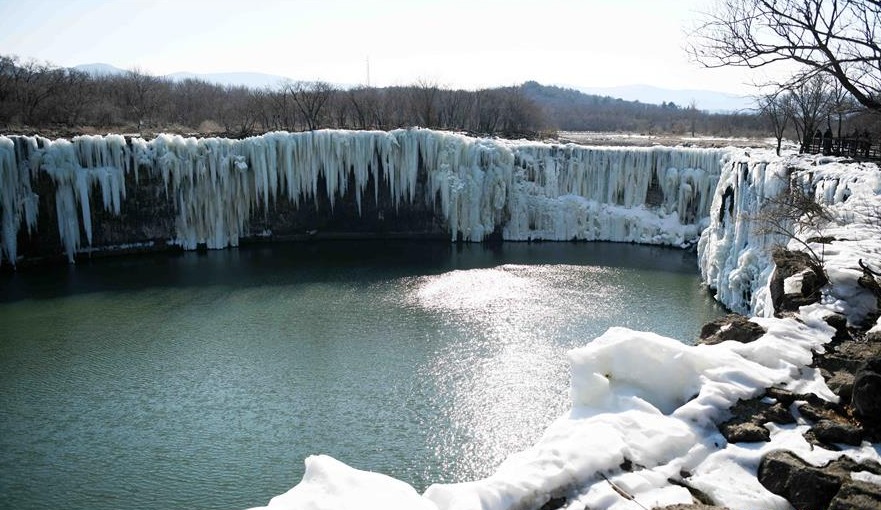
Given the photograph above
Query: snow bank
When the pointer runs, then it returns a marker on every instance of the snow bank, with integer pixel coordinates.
(328, 484)
(524, 190)
(642, 400)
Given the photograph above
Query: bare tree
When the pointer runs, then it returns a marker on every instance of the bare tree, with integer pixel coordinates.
(454, 108)
(240, 111)
(519, 115)
(310, 98)
(692, 115)
(777, 108)
(841, 104)
(810, 104)
(489, 108)
(424, 105)
(365, 105)
(795, 214)
(833, 38)
(143, 95)
(283, 112)
(30, 87)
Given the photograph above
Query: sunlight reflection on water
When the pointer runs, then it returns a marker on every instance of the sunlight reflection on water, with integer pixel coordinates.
(503, 378)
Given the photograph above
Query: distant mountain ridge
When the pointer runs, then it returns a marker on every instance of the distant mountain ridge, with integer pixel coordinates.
(706, 100)
(236, 79)
(569, 109)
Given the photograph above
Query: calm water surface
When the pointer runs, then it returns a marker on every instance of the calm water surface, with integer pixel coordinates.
(204, 380)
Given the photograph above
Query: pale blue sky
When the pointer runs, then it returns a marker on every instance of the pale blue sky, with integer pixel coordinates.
(456, 43)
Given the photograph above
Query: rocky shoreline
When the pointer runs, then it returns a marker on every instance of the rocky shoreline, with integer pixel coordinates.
(851, 367)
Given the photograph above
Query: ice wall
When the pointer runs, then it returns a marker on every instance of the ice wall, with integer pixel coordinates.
(735, 259)
(523, 190)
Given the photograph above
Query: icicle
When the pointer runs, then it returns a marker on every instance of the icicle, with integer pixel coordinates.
(528, 190)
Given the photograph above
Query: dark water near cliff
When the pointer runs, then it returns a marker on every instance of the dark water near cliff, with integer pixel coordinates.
(204, 380)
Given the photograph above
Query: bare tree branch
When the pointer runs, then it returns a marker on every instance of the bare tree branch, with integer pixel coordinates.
(838, 38)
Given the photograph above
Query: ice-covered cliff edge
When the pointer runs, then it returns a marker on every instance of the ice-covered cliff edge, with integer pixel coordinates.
(214, 188)
(735, 257)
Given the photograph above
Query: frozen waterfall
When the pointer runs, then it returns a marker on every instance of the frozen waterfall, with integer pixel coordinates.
(735, 255)
(477, 187)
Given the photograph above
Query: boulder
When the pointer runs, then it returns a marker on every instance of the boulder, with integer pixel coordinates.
(835, 432)
(841, 383)
(856, 495)
(796, 281)
(866, 397)
(778, 413)
(748, 419)
(730, 327)
(839, 322)
(804, 486)
(808, 487)
(817, 411)
(747, 432)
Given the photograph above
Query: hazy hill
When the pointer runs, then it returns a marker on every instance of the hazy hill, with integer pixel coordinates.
(706, 100)
(238, 79)
(573, 110)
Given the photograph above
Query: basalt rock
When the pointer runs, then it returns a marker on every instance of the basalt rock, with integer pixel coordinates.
(830, 432)
(747, 432)
(731, 327)
(841, 383)
(796, 282)
(747, 423)
(840, 362)
(808, 487)
(857, 495)
(839, 322)
(866, 397)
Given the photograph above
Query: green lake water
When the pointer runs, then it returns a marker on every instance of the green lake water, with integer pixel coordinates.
(203, 380)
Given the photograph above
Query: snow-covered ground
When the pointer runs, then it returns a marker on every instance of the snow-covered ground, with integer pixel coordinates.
(652, 403)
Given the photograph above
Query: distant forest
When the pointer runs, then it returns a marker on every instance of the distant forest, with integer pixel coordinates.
(56, 101)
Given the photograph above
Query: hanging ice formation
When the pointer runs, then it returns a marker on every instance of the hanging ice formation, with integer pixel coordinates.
(524, 190)
(735, 256)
